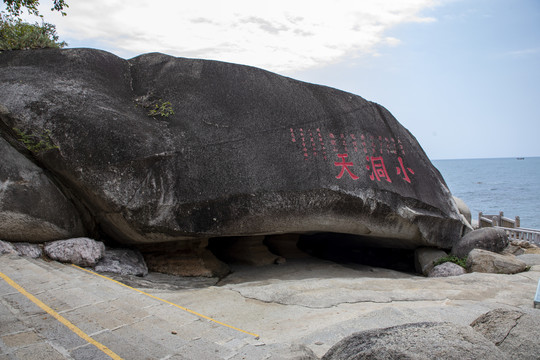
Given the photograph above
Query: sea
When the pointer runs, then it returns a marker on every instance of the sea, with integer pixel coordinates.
(511, 185)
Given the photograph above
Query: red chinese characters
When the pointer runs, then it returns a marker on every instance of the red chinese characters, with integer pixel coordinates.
(378, 170)
(403, 171)
(345, 167)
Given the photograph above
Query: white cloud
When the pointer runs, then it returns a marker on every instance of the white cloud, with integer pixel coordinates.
(282, 35)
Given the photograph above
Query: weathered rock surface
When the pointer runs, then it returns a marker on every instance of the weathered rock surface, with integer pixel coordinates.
(428, 340)
(7, 248)
(246, 152)
(519, 247)
(425, 258)
(446, 269)
(78, 251)
(31, 250)
(491, 239)
(31, 207)
(489, 262)
(529, 259)
(249, 250)
(123, 262)
(463, 209)
(186, 258)
(514, 332)
(285, 246)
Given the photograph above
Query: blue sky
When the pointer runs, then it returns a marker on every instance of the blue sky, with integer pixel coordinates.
(462, 75)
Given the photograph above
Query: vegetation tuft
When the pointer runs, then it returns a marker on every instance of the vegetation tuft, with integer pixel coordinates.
(36, 143)
(161, 108)
(451, 258)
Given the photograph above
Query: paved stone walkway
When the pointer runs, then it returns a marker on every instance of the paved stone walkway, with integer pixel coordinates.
(299, 309)
(130, 324)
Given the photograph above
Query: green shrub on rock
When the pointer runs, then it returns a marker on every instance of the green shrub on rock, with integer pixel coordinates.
(454, 259)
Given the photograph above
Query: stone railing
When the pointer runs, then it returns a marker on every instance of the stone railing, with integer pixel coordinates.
(511, 226)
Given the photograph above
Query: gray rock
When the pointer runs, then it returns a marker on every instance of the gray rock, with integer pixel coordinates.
(294, 352)
(123, 262)
(29, 250)
(285, 246)
(529, 259)
(428, 340)
(491, 239)
(78, 251)
(184, 258)
(447, 269)
(32, 208)
(248, 250)
(7, 248)
(490, 262)
(230, 161)
(424, 259)
(514, 332)
(463, 209)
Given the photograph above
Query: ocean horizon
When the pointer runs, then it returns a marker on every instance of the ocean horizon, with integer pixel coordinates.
(491, 185)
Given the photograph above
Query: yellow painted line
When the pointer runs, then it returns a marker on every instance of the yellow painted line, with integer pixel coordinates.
(60, 318)
(170, 303)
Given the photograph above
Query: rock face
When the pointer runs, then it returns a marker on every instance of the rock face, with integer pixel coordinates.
(491, 239)
(428, 340)
(246, 152)
(32, 208)
(514, 332)
(490, 262)
(79, 251)
(187, 258)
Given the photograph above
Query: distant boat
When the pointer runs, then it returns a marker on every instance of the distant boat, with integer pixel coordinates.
(520, 158)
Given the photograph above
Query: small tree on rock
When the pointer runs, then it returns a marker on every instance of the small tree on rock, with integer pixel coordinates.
(16, 34)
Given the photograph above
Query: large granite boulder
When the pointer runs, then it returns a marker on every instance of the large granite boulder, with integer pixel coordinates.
(32, 208)
(160, 149)
(427, 340)
(512, 331)
(490, 239)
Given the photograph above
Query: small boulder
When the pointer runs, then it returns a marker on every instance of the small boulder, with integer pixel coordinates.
(30, 250)
(7, 248)
(425, 258)
(512, 331)
(489, 262)
(491, 239)
(123, 262)
(78, 251)
(427, 340)
(447, 269)
(463, 209)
